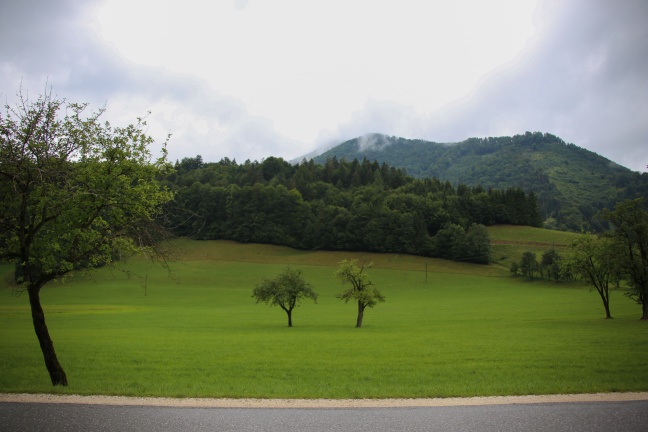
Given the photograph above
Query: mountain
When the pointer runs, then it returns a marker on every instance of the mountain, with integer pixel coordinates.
(572, 184)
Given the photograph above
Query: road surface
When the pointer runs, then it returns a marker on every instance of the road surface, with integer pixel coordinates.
(570, 416)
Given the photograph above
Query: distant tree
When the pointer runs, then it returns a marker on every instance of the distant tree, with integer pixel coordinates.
(360, 286)
(515, 268)
(630, 219)
(596, 261)
(478, 244)
(74, 193)
(529, 264)
(189, 164)
(450, 242)
(550, 265)
(286, 291)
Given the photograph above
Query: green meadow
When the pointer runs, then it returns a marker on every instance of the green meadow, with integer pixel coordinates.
(447, 329)
(508, 243)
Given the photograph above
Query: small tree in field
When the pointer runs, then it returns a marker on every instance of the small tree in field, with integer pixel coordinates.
(360, 287)
(285, 291)
(74, 193)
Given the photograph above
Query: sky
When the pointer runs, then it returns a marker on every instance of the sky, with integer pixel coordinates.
(249, 79)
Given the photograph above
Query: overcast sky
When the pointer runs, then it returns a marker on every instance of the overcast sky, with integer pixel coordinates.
(248, 79)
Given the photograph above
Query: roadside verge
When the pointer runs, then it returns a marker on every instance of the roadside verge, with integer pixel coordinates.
(317, 403)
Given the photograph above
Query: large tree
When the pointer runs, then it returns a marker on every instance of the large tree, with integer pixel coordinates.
(286, 290)
(74, 193)
(630, 219)
(595, 260)
(360, 287)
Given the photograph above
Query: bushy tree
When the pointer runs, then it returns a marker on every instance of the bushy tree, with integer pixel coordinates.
(286, 291)
(450, 241)
(360, 288)
(74, 193)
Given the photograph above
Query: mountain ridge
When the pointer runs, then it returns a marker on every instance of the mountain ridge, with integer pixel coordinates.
(572, 183)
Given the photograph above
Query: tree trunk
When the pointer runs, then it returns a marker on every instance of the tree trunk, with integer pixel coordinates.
(607, 309)
(605, 298)
(644, 309)
(289, 312)
(361, 307)
(57, 374)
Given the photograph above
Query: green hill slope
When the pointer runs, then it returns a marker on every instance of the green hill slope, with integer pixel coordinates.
(572, 184)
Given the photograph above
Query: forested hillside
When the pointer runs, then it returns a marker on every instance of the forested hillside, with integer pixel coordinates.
(572, 184)
(341, 205)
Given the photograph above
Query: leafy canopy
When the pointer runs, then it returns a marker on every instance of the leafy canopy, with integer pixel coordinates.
(286, 291)
(360, 287)
(73, 191)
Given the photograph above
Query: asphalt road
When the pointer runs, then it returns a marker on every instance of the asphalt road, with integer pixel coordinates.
(555, 417)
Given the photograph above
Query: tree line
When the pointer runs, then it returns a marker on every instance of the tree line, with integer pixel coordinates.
(341, 205)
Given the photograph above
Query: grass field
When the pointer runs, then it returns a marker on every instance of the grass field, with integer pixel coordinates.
(508, 243)
(453, 330)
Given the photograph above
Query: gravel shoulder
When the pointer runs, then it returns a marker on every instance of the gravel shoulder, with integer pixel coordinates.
(317, 403)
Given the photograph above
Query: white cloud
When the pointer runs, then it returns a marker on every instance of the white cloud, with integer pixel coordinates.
(309, 66)
(249, 79)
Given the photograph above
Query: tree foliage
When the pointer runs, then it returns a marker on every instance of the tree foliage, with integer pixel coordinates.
(359, 286)
(630, 219)
(341, 205)
(551, 265)
(286, 291)
(596, 261)
(74, 193)
(529, 264)
(559, 174)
